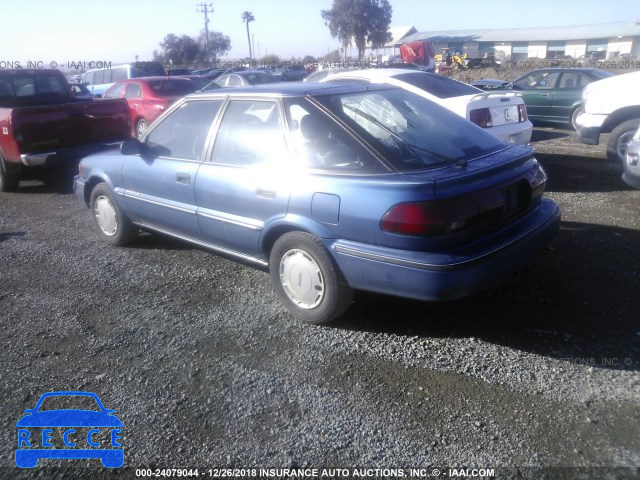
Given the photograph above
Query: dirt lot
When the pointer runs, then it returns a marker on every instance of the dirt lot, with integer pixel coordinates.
(207, 371)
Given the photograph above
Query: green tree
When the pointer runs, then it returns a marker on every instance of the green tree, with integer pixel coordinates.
(270, 59)
(359, 21)
(248, 17)
(177, 51)
(219, 44)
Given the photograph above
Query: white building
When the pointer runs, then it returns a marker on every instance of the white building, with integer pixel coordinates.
(599, 41)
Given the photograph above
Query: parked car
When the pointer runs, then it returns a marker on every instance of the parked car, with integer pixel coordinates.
(290, 72)
(555, 94)
(502, 114)
(149, 97)
(173, 72)
(611, 105)
(99, 80)
(332, 188)
(245, 78)
(43, 124)
(631, 165)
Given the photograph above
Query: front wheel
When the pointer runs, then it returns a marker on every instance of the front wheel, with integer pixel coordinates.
(619, 139)
(307, 280)
(574, 117)
(113, 225)
(9, 178)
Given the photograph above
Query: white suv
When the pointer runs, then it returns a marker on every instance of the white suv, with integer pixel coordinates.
(611, 105)
(502, 114)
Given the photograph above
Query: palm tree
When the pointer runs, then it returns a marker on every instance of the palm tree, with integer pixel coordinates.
(248, 17)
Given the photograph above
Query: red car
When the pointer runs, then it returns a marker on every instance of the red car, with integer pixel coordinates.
(148, 97)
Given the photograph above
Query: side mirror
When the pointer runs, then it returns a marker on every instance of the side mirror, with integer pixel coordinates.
(132, 146)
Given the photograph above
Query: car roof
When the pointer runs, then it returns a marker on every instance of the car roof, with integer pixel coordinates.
(293, 89)
(379, 72)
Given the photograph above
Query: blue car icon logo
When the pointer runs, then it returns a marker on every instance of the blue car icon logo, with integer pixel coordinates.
(69, 433)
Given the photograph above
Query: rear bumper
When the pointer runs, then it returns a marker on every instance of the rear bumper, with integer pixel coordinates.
(65, 155)
(515, 133)
(452, 274)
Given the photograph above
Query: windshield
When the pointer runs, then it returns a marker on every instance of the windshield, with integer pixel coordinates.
(441, 87)
(412, 132)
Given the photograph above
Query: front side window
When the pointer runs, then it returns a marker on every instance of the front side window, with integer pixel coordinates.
(250, 134)
(538, 80)
(410, 131)
(183, 133)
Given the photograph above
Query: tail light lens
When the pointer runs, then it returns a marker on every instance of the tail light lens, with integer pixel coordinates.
(435, 217)
(522, 110)
(481, 117)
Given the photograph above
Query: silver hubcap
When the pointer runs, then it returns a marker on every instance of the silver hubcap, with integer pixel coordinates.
(623, 143)
(301, 279)
(106, 216)
(142, 126)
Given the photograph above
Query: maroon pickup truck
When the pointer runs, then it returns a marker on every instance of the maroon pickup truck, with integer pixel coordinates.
(42, 123)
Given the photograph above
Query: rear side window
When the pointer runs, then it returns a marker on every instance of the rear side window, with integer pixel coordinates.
(250, 134)
(118, 74)
(134, 90)
(437, 85)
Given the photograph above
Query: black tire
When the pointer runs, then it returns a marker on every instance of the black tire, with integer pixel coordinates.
(619, 139)
(141, 127)
(114, 227)
(8, 179)
(322, 294)
(574, 116)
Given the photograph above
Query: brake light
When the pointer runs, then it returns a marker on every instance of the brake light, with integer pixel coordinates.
(481, 117)
(434, 217)
(522, 110)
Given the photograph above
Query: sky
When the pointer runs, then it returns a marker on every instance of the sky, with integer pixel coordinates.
(48, 32)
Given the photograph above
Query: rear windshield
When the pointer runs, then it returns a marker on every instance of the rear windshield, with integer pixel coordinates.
(32, 85)
(147, 69)
(441, 87)
(172, 88)
(411, 132)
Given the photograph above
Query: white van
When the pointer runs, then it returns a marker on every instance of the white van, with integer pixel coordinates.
(99, 80)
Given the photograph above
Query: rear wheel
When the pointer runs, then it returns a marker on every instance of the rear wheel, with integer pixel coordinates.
(307, 280)
(619, 139)
(141, 127)
(113, 225)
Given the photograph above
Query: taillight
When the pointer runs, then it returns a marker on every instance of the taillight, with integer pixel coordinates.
(522, 110)
(434, 217)
(481, 117)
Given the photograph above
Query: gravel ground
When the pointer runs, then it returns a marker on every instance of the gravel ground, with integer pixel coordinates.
(206, 369)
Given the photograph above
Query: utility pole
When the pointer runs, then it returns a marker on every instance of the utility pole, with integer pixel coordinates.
(205, 8)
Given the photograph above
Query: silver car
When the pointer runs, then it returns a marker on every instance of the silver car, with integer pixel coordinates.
(631, 164)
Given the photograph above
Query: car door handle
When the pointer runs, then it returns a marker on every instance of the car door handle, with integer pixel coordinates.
(184, 178)
(545, 94)
(264, 193)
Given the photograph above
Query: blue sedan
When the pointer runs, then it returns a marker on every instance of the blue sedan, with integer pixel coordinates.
(332, 188)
